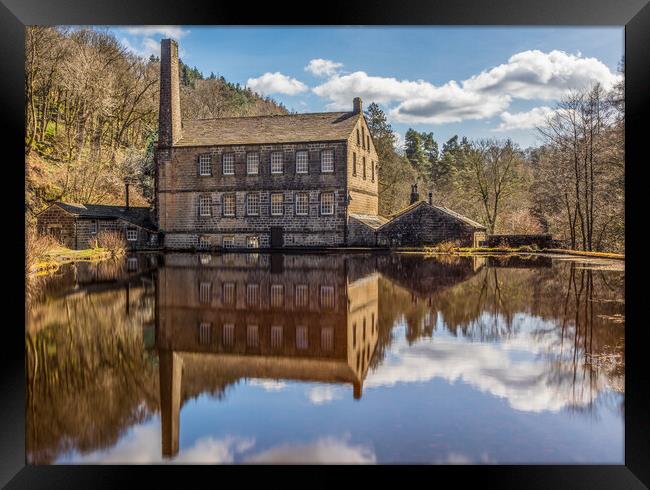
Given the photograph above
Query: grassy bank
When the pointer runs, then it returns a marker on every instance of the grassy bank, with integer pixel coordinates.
(446, 248)
(51, 260)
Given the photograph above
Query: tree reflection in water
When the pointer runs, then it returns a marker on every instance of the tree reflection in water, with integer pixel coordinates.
(99, 337)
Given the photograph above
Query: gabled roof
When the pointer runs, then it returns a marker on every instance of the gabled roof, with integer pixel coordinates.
(370, 220)
(442, 209)
(281, 128)
(140, 216)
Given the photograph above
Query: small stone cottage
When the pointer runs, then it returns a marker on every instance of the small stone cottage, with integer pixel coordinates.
(76, 225)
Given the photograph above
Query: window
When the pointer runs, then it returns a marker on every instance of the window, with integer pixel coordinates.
(277, 204)
(327, 161)
(358, 138)
(327, 297)
(228, 337)
(131, 234)
(253, 163)
(93, 227)
(364, 168)
(252, 336)
(277, 165)
(229, 293)
(302, 295)
(253, 241)
(204, 242)
(363, 330)
(302, 338)
(132, 264)
(327, 203)
(276, 337)
(205, 206)
(253, 204)
(302, 162)
(277, 295)
(252, 295)
(205, 164)
(372, 170)
(302, 204)
(229, 241)
(363, 137)
(327, 338)
(229, 205)
(372, 323)
(354, 335)
(204, 333)
(205, 292)
(228, 163)
(354, 164)
(368, 142)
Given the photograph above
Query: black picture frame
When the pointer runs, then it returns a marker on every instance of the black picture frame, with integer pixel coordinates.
(633, 14)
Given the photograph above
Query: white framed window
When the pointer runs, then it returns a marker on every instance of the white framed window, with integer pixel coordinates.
(277, 162)
(252, 336)
(277, 295)
(252, 241)
(276, 336)
(253, 204)
(302, 337)
(228, 335)
(228, 163)
(229, 293)
(229, 204)
(327, 161)
(302, 162)
(132, 264)
(205, 292)
(229, 241)
(252, 163)
(327, 338)
(93, 226)
(277, 204)
(327, 203)
(131, 234)
(327, 297)
(205, 206)
(302, 204)
(205, 164)
(205, 333)
(302, 295)
(204, 242)
(252, 294)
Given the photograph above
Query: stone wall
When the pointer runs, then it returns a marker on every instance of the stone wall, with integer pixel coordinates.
(424, 225)
(360, 234)
(58, 223)
(363, 189)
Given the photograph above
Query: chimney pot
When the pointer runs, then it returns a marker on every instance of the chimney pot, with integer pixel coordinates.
(357, 105)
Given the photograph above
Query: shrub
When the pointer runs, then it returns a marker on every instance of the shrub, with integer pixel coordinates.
(446, 247)
(112, 241)
(37, 246)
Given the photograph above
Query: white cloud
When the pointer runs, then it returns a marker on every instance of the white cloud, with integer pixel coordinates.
(524, 120)
(526, 75)
(144, 47)
(329, 450)
(276, 83)
(175, 32)
(323, 68)
(320, 395)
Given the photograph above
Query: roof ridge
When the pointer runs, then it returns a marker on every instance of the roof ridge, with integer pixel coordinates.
(268, 115)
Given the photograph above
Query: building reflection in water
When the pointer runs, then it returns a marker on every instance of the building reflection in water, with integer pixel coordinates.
(294, 317)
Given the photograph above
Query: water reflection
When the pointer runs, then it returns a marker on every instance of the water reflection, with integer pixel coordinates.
(116, 351)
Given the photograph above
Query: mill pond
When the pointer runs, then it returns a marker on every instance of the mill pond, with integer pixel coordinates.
(340, 358)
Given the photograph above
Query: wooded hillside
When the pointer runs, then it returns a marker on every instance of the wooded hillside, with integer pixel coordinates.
(91, 115)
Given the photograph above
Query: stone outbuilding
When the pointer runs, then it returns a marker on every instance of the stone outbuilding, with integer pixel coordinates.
(417, 225)
(76, 225)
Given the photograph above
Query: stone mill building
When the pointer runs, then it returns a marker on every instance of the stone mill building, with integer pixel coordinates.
(298, 180)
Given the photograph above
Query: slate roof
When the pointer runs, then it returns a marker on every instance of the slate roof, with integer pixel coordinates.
(370, 220)
(140, 216)
(442, 209)
(281, 128)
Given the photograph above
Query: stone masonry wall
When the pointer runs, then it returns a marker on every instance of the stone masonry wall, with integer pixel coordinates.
(364, 191)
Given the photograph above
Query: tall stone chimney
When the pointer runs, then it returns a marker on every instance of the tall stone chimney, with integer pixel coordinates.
(357, 105)
(415, 197)
(169, 119)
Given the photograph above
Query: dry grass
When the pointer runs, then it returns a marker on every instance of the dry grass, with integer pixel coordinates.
(37, 247)
(113, 241)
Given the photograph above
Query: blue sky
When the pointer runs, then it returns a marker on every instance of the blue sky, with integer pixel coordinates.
(472, 81)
